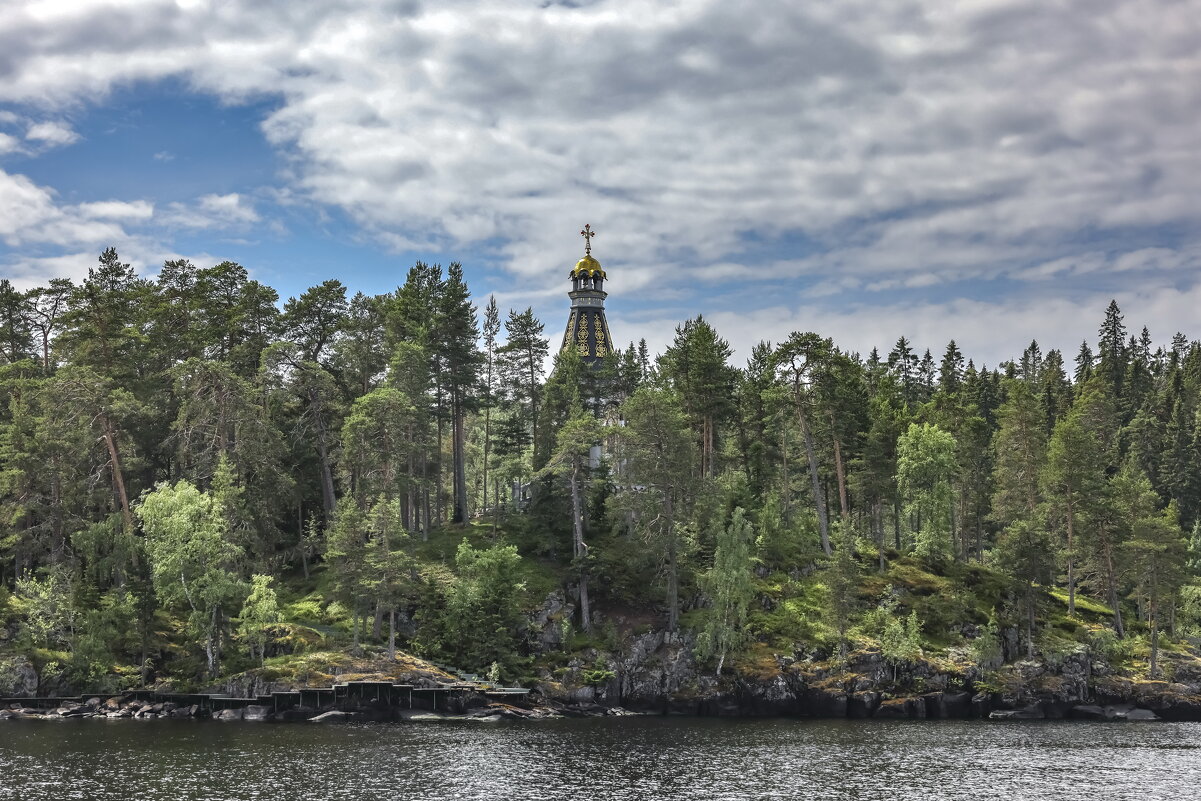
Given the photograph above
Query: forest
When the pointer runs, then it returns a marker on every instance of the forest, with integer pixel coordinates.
(197, 479)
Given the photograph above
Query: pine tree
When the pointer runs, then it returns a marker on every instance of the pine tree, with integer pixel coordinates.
(1071, 479)
(660, 458)
(491, 330)
(802, 360)
(16, 336)
(696, 364)
(520, 363)
(950, 371)
(574, 444)
(1112, 353)
(1020, 444)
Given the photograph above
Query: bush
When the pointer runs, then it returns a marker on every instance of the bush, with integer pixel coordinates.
(1104, 644)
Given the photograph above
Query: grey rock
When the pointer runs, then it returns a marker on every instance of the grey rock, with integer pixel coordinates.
(257, 712)
(1032, 712)
(333, 716)
(18, 677)
(228, 714)
(1088, 712)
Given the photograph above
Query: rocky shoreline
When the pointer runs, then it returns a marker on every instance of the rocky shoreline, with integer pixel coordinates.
(656, 673)
(862, 706)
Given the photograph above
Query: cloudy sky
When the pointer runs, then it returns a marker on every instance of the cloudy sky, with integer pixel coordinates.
(988, 170)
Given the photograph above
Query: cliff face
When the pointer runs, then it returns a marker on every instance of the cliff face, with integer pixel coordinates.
(656, 672)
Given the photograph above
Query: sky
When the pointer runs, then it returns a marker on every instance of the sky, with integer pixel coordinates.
(992, 171)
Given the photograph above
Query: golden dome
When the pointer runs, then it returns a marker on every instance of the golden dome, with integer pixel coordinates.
(588, 266)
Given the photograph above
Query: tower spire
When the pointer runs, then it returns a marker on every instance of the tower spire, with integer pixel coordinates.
(587, 330)
(587, 233)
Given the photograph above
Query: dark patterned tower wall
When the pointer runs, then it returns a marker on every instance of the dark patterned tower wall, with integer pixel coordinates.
(587, 329)
(588, 334)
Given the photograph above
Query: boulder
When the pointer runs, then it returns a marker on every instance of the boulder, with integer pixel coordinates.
(1128, 712)
(228, 714)
(1088, 712)
(956, 705)
(1032, 712)
(18, 677)
(894, 708)
(862, 705)
(257, 712)
(336, 716)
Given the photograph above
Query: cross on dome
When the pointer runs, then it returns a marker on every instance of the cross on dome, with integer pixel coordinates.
(587, 233)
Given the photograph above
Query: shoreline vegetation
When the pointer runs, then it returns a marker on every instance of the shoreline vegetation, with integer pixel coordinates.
(204, 491)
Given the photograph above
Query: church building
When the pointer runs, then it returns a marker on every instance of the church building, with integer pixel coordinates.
(587, 330)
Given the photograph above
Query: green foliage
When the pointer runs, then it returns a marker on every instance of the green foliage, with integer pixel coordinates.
(482, 615)
(730, 587)
(192, 559)
(260, 614)
(1105, 645)
(598, 675)
(925, 466)
(191, 478)
(46, 611)
(986, 647)
(901, 641)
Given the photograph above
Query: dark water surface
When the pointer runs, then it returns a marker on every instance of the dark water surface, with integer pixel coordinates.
(599, 760)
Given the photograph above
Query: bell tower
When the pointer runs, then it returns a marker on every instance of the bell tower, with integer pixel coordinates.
(587, 329)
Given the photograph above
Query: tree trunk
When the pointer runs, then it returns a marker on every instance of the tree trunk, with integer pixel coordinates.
(896, 524)
(439, 485)
(110, 442)
(425, 518)
(328, 498)
(786, 490)
(210, 645)
(840, 474)
(1071, 565)
(407, 515)
(673, 579)
(581, 547)
(391, 635)
(823, 519)
(1112, 588)
(459, 459)
(487, 449)
(878, 526)
(1029, 621)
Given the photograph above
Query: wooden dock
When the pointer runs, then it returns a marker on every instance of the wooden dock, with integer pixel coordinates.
(351, 695)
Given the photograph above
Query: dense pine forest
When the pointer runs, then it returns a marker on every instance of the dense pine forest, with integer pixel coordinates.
(197, 480)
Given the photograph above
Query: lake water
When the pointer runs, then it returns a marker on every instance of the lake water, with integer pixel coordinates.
(639, 758)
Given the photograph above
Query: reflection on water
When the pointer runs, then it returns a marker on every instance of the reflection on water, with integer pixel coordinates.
(598, 760)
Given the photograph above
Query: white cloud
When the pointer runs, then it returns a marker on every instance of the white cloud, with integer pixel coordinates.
(917, 146)
(213, 211)
(988, 332)
(117, 210)
(51, 133)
